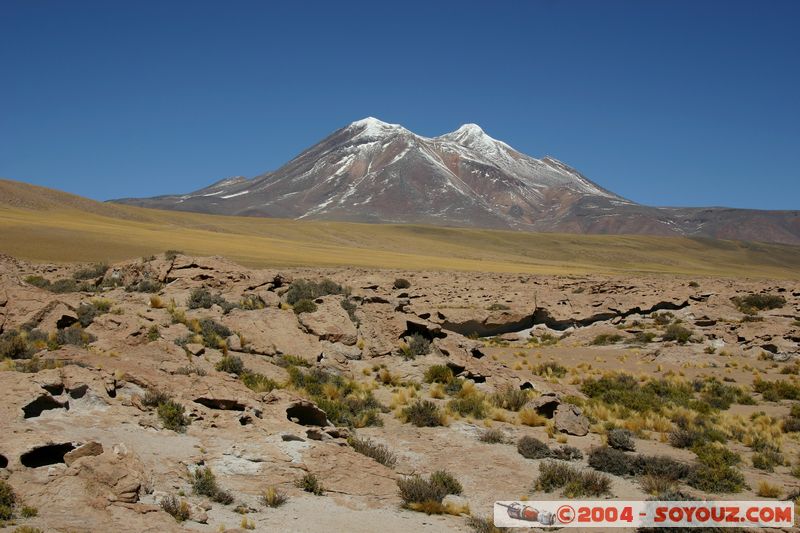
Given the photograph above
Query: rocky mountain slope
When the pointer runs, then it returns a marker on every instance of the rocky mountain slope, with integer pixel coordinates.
(371, 171)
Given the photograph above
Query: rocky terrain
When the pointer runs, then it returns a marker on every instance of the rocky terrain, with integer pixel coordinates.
(190, 393)
(371, 171)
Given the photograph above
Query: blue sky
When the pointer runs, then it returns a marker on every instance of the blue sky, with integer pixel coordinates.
(664, 102)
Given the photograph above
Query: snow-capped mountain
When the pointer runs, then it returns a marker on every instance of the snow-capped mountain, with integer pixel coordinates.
(371, 171)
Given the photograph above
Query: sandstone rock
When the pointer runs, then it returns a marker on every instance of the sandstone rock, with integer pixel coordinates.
(195, 349)
(569, 419)
(86, 450)
(330, 322)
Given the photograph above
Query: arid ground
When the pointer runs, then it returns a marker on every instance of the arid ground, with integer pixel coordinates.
(180, 392)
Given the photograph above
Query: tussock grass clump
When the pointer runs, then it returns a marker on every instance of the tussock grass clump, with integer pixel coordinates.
(13, 345)
(510, 397)
(152, 398)
(273, 497)
(482, 524)
(550, 369)
(8, 501)
(438, 374)
(170, 255)
(529, 417)
(230, 364)
(574, 482)
(178, 509)
(644, 337)
(426, 495)
(153, 333)
(493, 436)
(311, 483)
(471, 404)
(621, 439)
(768, 490)
(654, 485)
(605, 339)
(304, 306)
(423, 413)
(373, 450)
(204, 483)
(498, 307)
(301, 289)
(750, 304)
(172, 416)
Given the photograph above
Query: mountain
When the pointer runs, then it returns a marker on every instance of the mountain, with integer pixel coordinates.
(371, 171)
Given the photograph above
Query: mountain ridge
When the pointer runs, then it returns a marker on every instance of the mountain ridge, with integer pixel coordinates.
(373, 171)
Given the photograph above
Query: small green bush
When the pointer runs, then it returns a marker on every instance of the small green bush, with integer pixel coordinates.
(13, 346)
(308, 290)
(170, 255)
(373, 450)
(423, 413)
(172, 416)
(74, 335)
(38, 281)
(145, 285)
(91, 272)
(604, 339)
(252, 302)
(644, 337)
(493, 436)
(498, 307)
(438, 374)
(418, 491)
(752, 303)
(213, 333)
(677, 333)
(204, 483)
(310, 483)
(8, 501)
(716, 471)
(774, 391)
(201, 298)
(612, 461)
(87, 312)
(153, 333)
(304, 306)
(621, 439)
(401, 283)
(230, 364)
(566, 453)
(532, 448)
(258, 382)
(417, 345)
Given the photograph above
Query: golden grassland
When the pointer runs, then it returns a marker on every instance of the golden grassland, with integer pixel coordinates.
(40, 224)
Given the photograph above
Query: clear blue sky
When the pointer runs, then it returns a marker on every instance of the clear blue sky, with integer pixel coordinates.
(665, 102)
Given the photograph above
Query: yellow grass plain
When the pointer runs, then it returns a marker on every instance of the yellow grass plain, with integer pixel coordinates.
(44, 225)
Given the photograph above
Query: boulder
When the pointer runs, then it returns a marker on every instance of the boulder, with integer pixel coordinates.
(569, 419)
(89, 449)
(330, 322)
